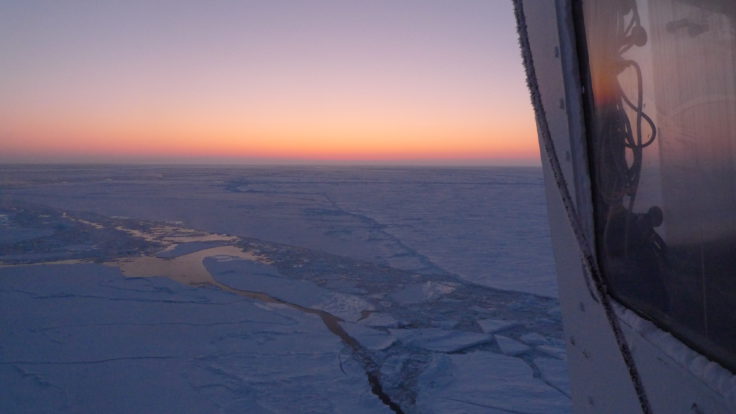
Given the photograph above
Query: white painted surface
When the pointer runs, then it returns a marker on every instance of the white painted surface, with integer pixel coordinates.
(599, 380)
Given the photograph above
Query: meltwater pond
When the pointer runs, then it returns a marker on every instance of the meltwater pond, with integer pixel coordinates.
(155, 289)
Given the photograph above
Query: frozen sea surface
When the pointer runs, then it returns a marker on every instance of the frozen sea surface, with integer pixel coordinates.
(486, 225)
(277, 290)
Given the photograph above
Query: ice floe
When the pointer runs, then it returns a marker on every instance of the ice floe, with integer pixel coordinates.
(484, 382)
(440, 340)
(510, 346)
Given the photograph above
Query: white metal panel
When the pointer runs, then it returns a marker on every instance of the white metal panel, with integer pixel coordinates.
(600, 381)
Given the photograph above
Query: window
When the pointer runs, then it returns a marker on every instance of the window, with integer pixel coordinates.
(662, 131)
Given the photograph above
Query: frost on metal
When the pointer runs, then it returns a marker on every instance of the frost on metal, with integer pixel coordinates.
(716, 377)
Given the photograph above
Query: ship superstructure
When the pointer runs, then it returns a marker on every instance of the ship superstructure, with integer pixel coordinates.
(635, 103)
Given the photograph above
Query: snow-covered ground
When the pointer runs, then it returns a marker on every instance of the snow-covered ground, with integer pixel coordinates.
(322, 290)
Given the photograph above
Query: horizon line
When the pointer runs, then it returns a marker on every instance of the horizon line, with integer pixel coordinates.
(306, 163)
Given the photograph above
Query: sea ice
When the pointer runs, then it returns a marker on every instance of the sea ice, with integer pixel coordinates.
(380, 320)
(440, 340)
(553, 350)
(488, 383)
(510, 346)
(369, 338)
(257, 277)
(493, 325)
(554, 371)
(533, 338)
(82, 338)
(422, 292)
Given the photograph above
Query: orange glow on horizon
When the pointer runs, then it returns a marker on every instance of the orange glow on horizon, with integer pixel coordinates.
(326, 136)
(346, 146)
(256, 80)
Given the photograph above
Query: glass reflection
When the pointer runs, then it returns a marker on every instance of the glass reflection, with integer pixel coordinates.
(663, 149)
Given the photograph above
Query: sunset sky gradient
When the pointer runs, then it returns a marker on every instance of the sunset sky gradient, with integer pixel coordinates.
(271, 81)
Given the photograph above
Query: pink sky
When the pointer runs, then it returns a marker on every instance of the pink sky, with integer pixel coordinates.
(288, 81)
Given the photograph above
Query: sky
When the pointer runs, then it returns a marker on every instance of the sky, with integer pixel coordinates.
(263, 81)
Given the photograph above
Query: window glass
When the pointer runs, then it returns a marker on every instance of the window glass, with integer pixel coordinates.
(663, 151)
